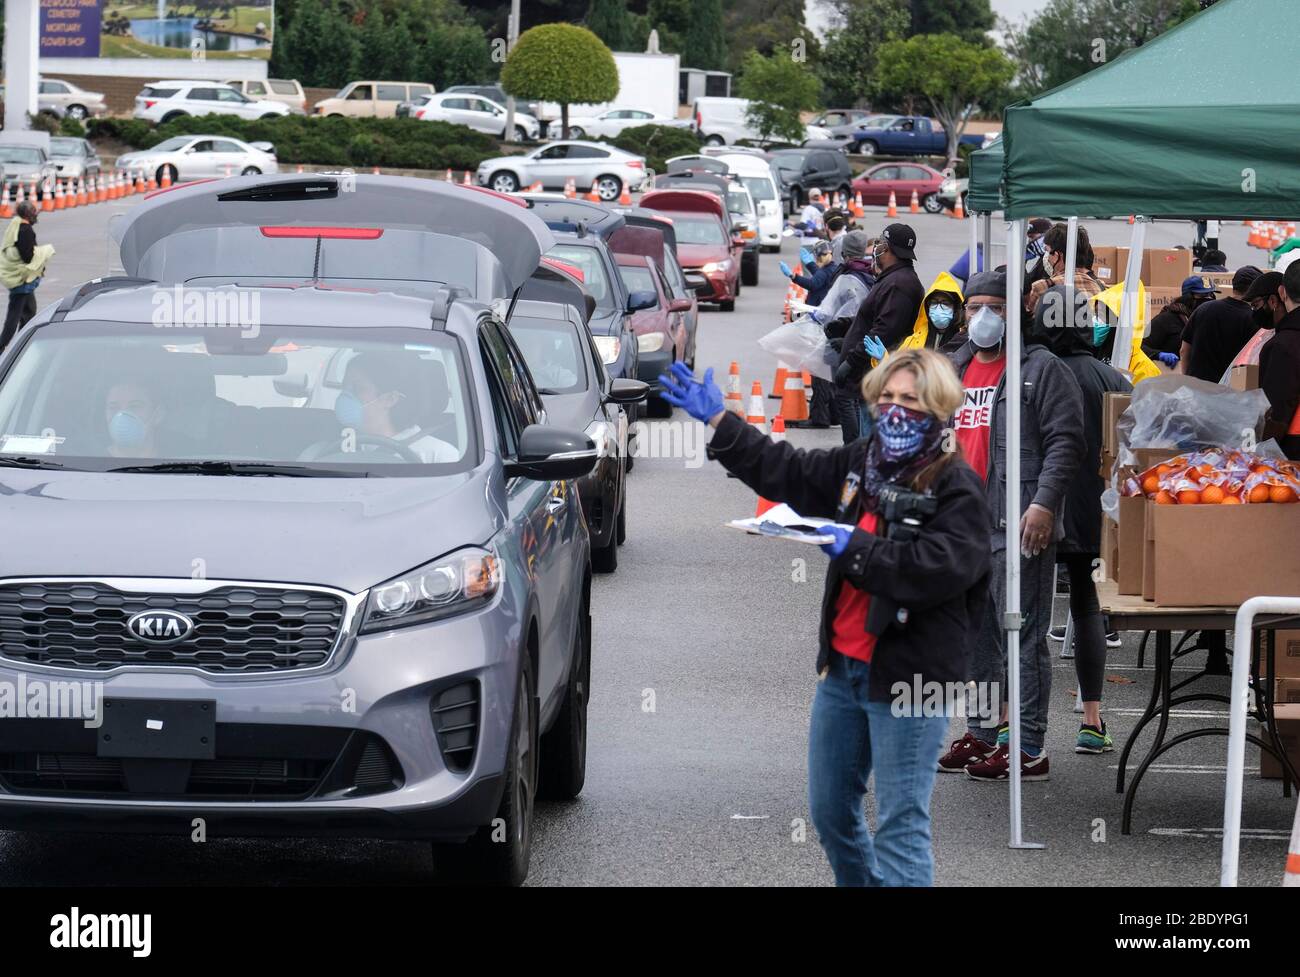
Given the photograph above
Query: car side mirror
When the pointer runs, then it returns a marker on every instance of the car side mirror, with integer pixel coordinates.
(549, 454)
(697, 283)
(737, 240)
(625, 391)
(645, 299)
(292, 385)
(679, 305)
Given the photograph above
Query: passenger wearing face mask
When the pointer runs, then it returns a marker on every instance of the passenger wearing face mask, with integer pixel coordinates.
(1051, 453)
(385, 396)
(940, 322)
(1054, 245)
(133, 415)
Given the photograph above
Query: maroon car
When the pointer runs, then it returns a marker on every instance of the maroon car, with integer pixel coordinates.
(701, 223)
(659, 323)
(902, 178)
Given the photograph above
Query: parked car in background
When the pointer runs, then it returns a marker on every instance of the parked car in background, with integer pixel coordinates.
(756, 175)
(877, 182)
(554, 164)
(479, 113)
(407, 109)
(841, 123)
(905, 135)
(199, 157)
(74, 158)
(23, 164)
(286, 90)
(658, 321)
(611, 123)
(498, 94)
(69, 99)
(799, 170)
(371, 99)
(704, 243)
(580, 395)
(162, 101)
(722, 121)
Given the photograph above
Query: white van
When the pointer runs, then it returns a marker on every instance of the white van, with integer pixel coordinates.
(756, 176)
(721, 122)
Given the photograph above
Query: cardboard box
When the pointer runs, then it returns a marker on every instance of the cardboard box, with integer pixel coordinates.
(1130, 544)
(1244, 377)
(1109, 263)
(1165, 267)
(1109, 549)
(1149, 549)
(1222, 280)
(1286, 654)
(1286, 690)
(1158, 297)
(1215, 556)
(1287, 718)
(1112, 406)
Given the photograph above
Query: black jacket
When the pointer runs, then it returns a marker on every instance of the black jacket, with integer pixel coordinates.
(941, 577)
(888, 313)
(26, 242)
(1166, 332)
(1279, 376)
(1216, 332)
(1082, 516)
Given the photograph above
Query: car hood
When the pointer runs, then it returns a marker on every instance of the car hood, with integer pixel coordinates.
(694, 255)
(350, 533)
(13, 169)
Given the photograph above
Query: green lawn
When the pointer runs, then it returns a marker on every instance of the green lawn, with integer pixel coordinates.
(130, 47)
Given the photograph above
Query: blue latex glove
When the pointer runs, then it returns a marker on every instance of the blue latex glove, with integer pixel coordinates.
(841, 533)
(813, 315)
(874, 347)
(806, 257)
(702, 399)
(786, 270)
(1168, 359)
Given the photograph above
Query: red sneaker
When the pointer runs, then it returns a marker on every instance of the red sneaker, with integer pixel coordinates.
(997, 768)
(963, 753)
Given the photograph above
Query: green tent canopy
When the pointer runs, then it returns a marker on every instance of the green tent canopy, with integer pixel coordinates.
(984, 193)
(1203, 121)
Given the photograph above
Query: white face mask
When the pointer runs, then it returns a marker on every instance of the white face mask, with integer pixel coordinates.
(986, 329)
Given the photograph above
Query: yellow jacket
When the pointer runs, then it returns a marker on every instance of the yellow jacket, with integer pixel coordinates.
(1139, 365)
(921, 328)
(13, 270)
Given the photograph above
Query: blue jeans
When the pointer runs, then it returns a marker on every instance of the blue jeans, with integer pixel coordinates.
(848, 738)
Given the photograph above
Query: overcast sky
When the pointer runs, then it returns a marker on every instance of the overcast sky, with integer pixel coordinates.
(1013, 10)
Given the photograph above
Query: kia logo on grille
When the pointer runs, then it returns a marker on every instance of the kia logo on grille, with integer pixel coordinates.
(160, 627)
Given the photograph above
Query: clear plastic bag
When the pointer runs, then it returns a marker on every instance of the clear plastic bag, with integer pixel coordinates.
(1174, 411)
(802, 345)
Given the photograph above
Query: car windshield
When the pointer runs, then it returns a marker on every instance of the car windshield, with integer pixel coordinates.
(789, 161)
(698, 230)
(759, 187)
(593, 271)
(65, 147)
(553, 354)
(22, 155)
(369, 401)
(738, 202)
(637, 278)
(172, 144)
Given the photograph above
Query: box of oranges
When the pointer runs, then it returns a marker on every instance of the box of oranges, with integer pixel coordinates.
(1218, 476)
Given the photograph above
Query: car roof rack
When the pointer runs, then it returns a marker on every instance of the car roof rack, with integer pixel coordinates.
(92, 288)
(442, 303)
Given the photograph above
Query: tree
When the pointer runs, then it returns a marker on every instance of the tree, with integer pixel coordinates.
(951, 74)
(971, 20)
(848, 59)
(610, 21)
(767, 26)
(778, 89)
(561, 63)
(705, 45)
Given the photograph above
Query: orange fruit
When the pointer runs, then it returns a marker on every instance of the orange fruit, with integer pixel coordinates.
(1212, 495)
(1150, 484)
(1189, 497)
(1281, 493)
(1163, 470)
(1231, 500)
(1259, 493)
(1164, 498)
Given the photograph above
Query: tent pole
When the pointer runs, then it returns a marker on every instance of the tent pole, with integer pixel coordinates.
(1011, 616)
(1121, 353)
(1071, 262)
(975, 263)
(989, 263)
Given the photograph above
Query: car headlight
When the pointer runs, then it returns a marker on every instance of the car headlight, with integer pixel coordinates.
(609, 347)
(604, 436)
(650, 342)
(453, 584)
(723, 265)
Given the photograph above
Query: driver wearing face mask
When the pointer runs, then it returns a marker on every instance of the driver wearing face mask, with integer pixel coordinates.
(383, 397)
(133, 414)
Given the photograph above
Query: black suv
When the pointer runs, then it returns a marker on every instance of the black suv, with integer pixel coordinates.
(797, 171)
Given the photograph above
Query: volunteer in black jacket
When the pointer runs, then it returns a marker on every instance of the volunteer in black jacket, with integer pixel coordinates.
(887, 315)
(1279, 368)
(865, 715)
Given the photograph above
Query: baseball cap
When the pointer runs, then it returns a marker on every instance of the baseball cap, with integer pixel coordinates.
(814, 194)
(1265, 285)
(1040, 225)
(992, 283)
(1244, 277)
(855, 244)
(821, 248)
(901, 240)
(1197, 285)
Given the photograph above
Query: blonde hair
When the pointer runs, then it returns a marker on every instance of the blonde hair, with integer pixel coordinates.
(938, 390)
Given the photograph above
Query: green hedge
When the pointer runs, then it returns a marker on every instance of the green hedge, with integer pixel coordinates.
(656, 143)
(406, 143)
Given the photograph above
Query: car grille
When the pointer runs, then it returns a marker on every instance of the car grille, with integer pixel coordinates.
(237, 629)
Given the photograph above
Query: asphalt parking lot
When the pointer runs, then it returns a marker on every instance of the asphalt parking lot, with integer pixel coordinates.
(702, 676)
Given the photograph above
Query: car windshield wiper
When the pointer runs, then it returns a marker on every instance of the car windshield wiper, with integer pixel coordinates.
(239, 468)
(24, 461)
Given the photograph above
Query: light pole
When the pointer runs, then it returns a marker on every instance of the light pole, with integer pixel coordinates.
(512, 35)
(21, 53)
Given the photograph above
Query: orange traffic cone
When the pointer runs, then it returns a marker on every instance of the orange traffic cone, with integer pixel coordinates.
(1291, 877)
(153, 181)
(47, 195)
(778, 384)
(83, 197)
(893, 205)
(732, 399)
(465, 180)
(570, 188)
(535, 187)
(625, 197)
(858, 209)
(915, 206)
(20, 198)
(593, 194)
(6, 210)
(299, 168)
(794, 403)
(1131, 218)
(757, 414)
(959, 212)
(450, 178)
(374, 171)
(777, 434)
(59, 203)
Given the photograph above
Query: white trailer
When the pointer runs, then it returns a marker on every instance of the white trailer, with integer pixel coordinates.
(645, 81)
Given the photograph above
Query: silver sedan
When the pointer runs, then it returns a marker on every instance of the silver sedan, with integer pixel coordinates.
(556, 163)
(202, 157)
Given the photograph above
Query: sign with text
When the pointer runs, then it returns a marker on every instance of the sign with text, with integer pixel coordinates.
(70, 28)
(131, 29)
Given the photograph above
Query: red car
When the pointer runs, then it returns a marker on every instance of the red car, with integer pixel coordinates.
(902, 178)
(704, 242)
(659, 322)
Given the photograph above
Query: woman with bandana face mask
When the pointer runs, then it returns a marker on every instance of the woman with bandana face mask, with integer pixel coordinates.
(862, 724)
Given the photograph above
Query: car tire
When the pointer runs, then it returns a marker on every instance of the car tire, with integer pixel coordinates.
(620, 530)
(931, 203)
(853, 148)
(867, 148)
(482, 860)
(728, 306)
(715, 140)
(168, 170)
(577, 132)
(250, 171)
(170, 116)
(604, 559)
(335, 115)
(504, 181)
(749, 271)
(270, 115)
(77, 112)
(564, 747)
(609, 187)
